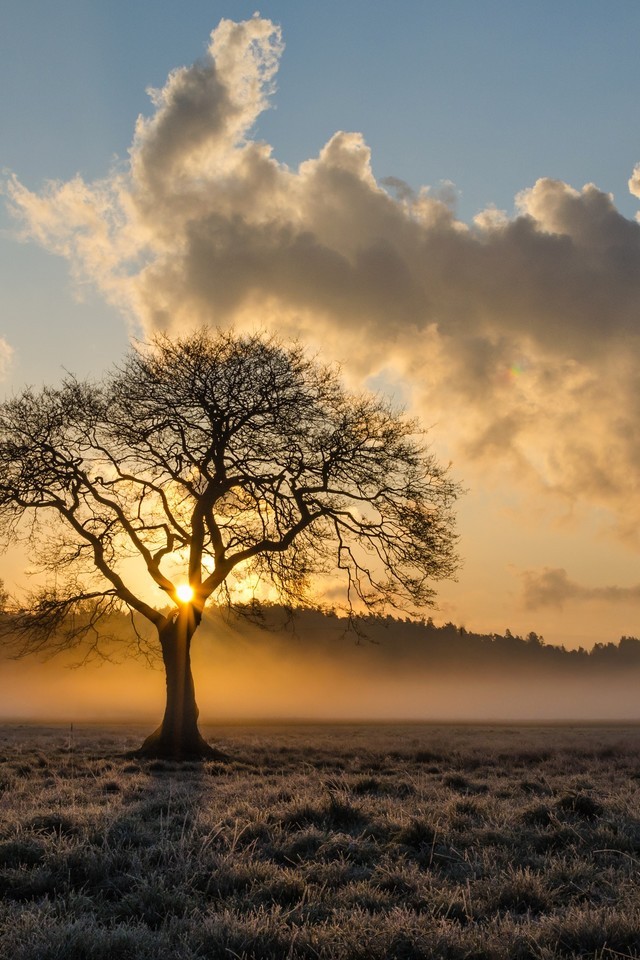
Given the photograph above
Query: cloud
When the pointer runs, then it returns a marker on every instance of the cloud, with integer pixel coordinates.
(519, 334)
(551, 587)
(634, 182)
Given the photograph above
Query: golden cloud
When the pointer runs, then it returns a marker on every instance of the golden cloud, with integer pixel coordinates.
(519, 335)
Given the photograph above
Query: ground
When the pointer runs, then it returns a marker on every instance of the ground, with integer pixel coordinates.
(322, 842)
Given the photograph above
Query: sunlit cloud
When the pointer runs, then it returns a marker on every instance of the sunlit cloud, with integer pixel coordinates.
(552, 587)
(518, 334)
(634, 184)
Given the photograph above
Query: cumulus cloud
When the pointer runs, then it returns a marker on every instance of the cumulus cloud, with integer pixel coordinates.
(552, 587)
(519, 334)
(634, 183)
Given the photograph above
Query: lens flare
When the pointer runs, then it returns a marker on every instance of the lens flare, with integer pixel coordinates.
(184, 593)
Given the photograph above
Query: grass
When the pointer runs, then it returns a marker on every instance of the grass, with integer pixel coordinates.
(326, 843)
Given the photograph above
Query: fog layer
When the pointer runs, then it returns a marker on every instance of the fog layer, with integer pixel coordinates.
(318, 671)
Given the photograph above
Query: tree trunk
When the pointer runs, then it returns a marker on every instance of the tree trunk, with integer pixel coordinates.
(178, 736)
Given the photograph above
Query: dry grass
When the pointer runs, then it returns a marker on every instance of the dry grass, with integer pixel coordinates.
(322, 842)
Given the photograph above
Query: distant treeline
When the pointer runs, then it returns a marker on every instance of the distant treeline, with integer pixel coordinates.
(407, 642)
(371, 642)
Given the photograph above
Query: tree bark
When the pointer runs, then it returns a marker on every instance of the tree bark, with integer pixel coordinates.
(178, 736)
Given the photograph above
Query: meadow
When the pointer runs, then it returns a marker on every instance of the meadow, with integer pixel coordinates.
(320, 842)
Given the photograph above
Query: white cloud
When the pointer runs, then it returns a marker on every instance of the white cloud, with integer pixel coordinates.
(520, 334)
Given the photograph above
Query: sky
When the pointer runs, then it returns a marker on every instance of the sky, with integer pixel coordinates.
(441, 196)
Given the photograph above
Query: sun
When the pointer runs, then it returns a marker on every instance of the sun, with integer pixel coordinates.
(184, 593)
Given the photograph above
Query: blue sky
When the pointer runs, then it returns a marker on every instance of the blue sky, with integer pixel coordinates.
(491, 96)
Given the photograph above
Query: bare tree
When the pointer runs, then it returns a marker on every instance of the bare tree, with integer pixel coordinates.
(204, 458)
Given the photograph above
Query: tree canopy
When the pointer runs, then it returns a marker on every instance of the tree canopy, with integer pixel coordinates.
(208, 457)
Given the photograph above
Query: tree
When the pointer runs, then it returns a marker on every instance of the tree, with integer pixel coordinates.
(201, 459)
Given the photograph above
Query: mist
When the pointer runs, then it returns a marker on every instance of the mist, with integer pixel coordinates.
(319, 670)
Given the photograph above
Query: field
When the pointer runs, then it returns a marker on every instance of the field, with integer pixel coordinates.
(330, 842)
